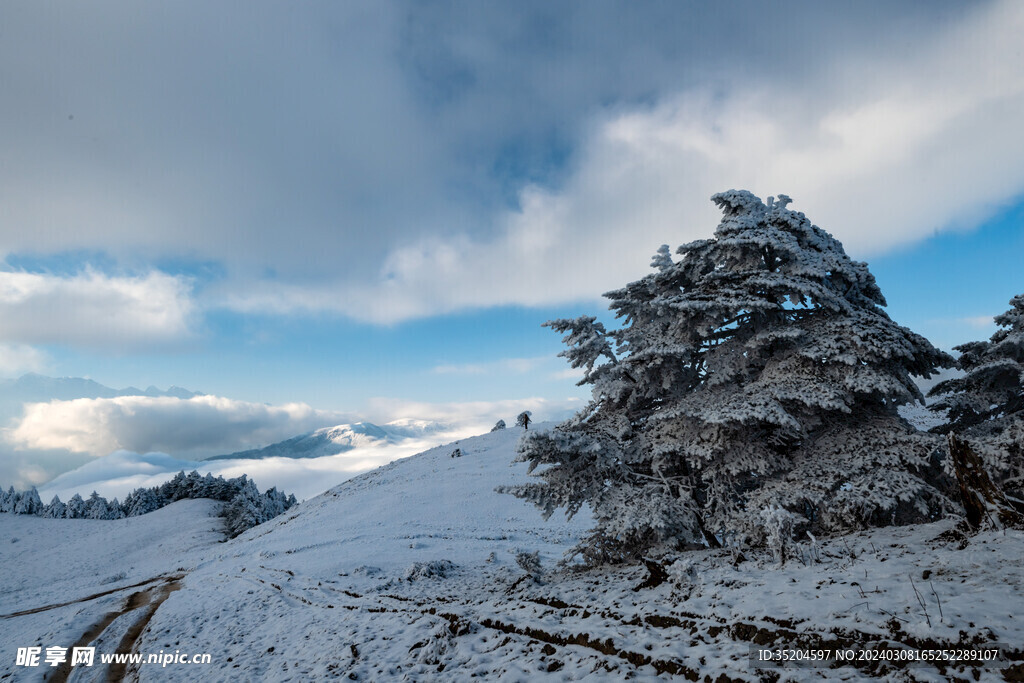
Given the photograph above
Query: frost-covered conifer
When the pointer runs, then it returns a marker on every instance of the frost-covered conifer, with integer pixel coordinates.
(993, 386)
(759, 369)
(143, 501)
(986, 405)
(116, 510)
(76, 508)
(55, 510)
(7, 500)
(245, 510)
(248, 507)
(498, 426)
(174, 489)
(29, 503)
(97, 507)
(523, 419)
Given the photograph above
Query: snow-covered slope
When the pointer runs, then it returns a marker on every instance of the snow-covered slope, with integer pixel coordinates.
(63, 576)
(410, 572)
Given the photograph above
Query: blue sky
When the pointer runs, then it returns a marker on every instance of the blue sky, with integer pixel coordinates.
(371, 207)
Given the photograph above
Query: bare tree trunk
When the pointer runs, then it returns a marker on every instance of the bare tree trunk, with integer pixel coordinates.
(984, 502)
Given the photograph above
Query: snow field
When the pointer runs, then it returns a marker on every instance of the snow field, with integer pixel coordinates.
(409, 572)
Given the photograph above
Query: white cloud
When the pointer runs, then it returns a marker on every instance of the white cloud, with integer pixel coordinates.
(884, 153)
(197, 427)
(16, 359)
(95, 309)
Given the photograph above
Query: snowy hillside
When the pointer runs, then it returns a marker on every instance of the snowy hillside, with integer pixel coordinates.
(62, 577)
(339, 439)
(410, 571)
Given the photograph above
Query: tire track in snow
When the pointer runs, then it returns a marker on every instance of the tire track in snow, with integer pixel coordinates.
(151, 597)
(87, 598)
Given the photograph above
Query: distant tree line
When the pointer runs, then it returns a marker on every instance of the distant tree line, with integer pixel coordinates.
(244, 508)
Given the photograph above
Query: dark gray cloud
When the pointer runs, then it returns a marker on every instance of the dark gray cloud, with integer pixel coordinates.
(260, 135)
(307, 146)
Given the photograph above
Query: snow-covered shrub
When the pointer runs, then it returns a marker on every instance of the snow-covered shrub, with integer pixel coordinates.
(681, 573)
(366, 570)
(457, 453)
(778, 524)
(759, 367)
(523, 419)
(435, 569)
(498, 426)
(529, 563)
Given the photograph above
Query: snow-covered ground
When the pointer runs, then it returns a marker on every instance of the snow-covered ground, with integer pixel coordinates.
(409, 572)
(63, 576)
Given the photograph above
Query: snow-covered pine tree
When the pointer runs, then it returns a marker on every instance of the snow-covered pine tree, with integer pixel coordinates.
(116, 510)
(758, 370)
(29, 503)
(55, 510)
(993, 386)
(75, 508)
(498, 426)
(523, 419)
(986, 405)
(245, 510)
(173, 489)
(143, 501)
(209, 487)
(7, 500)
(97, 507)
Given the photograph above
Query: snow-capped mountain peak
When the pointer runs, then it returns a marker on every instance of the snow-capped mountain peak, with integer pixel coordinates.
(339, 439)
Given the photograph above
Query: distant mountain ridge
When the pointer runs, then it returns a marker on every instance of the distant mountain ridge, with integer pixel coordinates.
(339, 439)
(35, 388)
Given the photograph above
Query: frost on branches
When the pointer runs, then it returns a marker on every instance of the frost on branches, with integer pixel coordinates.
(986, 405)
(756, 372)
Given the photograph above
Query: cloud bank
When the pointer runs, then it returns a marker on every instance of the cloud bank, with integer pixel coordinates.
(117, 474)
(197, 427)
(123, 470)
(91, 437)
